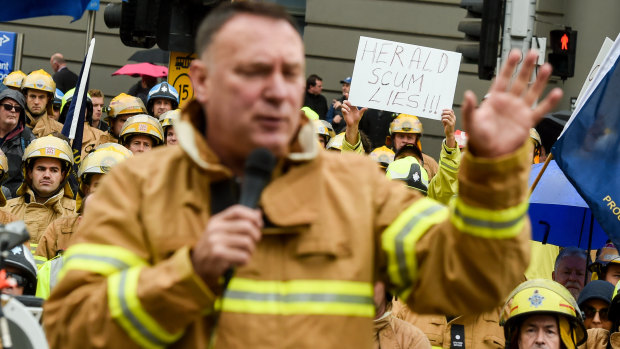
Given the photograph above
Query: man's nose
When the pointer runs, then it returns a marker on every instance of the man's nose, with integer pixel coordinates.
(596, 319)
(540, 337)
(276, 88)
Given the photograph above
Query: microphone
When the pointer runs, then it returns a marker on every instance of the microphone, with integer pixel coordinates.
(258, 168)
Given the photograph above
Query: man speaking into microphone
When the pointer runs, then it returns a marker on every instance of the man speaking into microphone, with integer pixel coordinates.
(148, 263)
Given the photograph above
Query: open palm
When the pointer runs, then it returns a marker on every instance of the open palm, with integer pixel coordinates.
(500, 125)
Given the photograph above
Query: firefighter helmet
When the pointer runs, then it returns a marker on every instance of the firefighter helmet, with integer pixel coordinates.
(125, 104)
(404, 123)
(168, 118)
(409, 170)
(336, 142)
(39, 80)
(103, 158)
(162, 90)
(14, 79)
(324, 128)
(540, 297)
(383, 156)
(142, 124)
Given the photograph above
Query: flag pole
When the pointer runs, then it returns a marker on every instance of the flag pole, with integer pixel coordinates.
(542, 170)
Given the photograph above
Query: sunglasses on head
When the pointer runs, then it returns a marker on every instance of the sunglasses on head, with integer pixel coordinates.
(590, 312)
(9, 107)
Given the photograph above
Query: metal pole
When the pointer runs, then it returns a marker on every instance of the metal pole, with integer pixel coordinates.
(90, 29)
(518, 27)
(19, 48)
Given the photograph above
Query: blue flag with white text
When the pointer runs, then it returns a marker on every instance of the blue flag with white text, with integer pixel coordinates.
(12, 10)
(588, 151)
(76, 115)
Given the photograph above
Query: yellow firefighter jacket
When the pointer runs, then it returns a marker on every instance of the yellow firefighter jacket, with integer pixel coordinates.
(38, 216)
(335, 226)
(91, 138)
(56, 237)
(480, 331)
(43, 125)
(393, 333)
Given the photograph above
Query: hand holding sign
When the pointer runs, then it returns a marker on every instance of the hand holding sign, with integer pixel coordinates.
(352, 116)
(501, 124)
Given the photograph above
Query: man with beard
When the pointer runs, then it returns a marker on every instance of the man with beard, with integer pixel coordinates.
(570, 269)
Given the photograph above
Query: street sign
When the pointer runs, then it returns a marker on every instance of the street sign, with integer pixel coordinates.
(8, 41)
(178, 76)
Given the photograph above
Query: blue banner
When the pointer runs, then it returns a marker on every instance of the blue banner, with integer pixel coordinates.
(588, 151)
(76, 115)
(12, 10)
(7, 53)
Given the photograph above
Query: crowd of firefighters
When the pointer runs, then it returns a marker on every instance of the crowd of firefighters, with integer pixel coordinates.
(41, 188)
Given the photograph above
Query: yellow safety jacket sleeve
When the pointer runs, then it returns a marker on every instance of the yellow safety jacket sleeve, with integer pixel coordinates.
(444, 185)
(477, 247)
(357, 148)
(110, 289)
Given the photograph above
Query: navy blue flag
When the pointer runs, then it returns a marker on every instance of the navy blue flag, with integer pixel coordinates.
(588, 151)
(76, 115)
(12, 10)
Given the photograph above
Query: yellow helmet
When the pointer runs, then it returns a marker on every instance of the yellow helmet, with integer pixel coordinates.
(14, 79)
(125, 104)
(103, 158)
(336, 142)
(48, 147)
(383, 156)
(535, 137)
(168, 118)
(324, 128)
(39, 80)
(409, 170)
(405, 123)
(539, 297)
(310, 114)
(142, 124)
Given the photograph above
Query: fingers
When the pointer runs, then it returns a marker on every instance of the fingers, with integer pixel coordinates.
(238, 212)
(546, 105)
(525, 73)
(363, 110)
(467, 108)
(538, 86)
(505, 74)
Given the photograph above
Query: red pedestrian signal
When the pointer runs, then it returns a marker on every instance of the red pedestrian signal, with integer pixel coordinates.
(563, 49)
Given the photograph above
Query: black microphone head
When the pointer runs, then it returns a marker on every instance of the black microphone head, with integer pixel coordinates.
(260, 162)
(258, 168)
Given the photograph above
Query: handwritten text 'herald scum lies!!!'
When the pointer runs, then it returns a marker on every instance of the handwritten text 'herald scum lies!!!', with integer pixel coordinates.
(395, 87)
(404, 78)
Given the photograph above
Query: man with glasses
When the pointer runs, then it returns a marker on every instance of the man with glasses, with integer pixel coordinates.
(14, 136)
(594, 301)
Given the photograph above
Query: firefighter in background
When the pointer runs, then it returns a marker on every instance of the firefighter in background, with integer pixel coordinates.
(5, 217)
(91, 137)
(45, 193)
(162, 97)
(122, 107)
(58, 234)
(167, 121)
(141, 133)
(324, 131)
(39, 89)
(541, 313)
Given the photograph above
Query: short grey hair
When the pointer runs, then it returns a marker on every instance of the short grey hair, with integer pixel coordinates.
(569, 252)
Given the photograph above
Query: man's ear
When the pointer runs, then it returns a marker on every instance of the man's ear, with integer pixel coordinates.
(198, 74)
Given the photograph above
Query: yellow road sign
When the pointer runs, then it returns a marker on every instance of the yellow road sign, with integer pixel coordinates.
(178, 75)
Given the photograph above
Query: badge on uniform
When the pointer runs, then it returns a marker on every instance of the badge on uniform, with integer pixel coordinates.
(457, 336)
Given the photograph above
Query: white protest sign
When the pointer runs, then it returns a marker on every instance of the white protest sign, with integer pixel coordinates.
(602, 53)
(404, 78)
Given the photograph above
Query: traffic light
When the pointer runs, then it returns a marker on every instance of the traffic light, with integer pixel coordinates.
(562, 55)
(171, 24)
(482, 27)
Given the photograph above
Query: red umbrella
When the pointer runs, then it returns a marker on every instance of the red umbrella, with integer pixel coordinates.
(140, 69)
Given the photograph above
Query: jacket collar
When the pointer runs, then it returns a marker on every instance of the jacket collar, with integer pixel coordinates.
(52, 202)
(280, 201)
(192, 128)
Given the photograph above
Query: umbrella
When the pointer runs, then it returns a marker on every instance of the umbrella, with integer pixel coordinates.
(153, 55)
(139, 69)
(558, 213)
